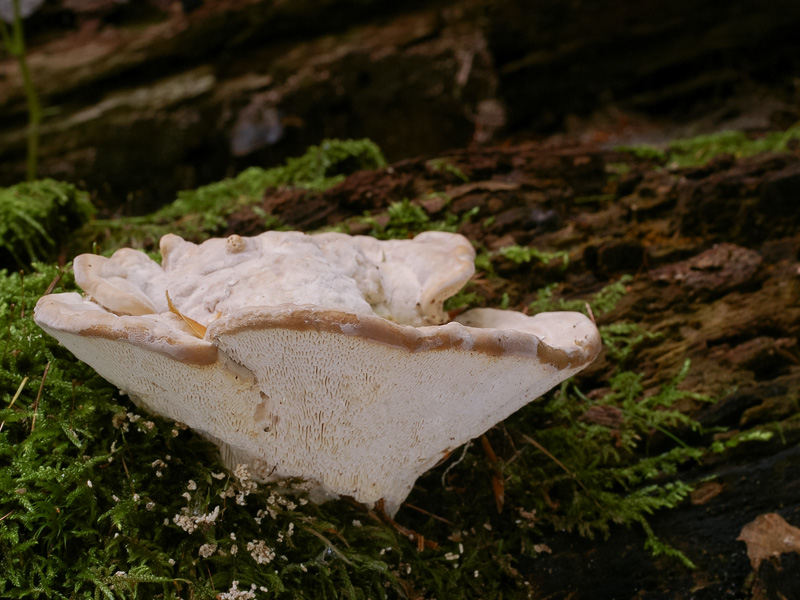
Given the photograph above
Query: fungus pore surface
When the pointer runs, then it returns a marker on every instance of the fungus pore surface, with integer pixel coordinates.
(326, 357)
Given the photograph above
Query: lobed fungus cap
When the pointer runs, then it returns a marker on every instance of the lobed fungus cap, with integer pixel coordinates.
(325, 357)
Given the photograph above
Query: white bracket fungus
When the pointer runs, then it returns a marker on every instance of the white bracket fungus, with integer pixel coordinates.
(326, 357)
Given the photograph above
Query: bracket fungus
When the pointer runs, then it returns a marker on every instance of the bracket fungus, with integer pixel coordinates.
(326, 357)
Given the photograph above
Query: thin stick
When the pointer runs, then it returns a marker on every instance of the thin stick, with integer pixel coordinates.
(329, 544)
(430, 514)
(422, 543)
(210, 577)
(39, 395)
(11, 306)
(14, 41)
(454, 464)
(14, 399)
(22, 294)
(498, 482)
(591, 314)
(53, 284)
(544, 451)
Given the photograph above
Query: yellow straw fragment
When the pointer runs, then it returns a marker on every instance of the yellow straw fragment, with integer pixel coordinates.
(199, 330)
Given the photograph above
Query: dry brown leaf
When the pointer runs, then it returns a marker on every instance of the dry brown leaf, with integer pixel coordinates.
(769, 536)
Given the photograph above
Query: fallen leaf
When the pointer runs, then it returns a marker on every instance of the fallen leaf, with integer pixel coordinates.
(769, 536)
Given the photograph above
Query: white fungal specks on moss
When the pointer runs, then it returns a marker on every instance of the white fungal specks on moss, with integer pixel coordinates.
(260, 552)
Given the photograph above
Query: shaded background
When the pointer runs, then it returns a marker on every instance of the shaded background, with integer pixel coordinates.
(144, 98)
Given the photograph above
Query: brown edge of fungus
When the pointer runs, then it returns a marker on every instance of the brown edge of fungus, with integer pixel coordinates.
(492, 342)
(372, 328)
(52, 316)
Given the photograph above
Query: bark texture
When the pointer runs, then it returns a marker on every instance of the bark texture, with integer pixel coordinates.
(146, 98)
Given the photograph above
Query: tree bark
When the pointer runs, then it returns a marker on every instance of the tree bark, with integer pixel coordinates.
(141, 102)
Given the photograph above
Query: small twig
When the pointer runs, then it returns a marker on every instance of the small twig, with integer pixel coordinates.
(39, 396)
(22, 294)
(510, 440)
(14, 399)
(544, 451)
(8, 514)
(791, 356)
(14, 41)
(53, 284)
(382, 515)
(456, 463)
(72, 406)
(498, 482)
(430, 514)
(11, 307)
(329, 544)
(517, 452)
(591, 314)
(211, 577)
(127, 474)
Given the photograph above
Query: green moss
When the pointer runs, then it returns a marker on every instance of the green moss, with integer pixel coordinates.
(601, 477)
(407, 219)
(519, 255)
(602, 302)
(697, 151)
(617, 169)
(320, 168)
(36, 217)
(99, 498)
(463, 299)
(620, 339)
(198, 214)
(441, 164)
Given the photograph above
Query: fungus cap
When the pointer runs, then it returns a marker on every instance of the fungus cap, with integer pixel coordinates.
(325, 357)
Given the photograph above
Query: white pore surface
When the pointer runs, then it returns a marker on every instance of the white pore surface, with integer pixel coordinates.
(346, 405)
(355, 417)
(366, 419)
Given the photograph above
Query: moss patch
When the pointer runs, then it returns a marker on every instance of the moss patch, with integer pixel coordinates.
(697, 151)
(37, 217)
(201, 213)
